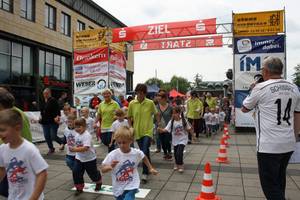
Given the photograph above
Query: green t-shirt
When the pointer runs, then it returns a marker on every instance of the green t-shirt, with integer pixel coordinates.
(26, 133)
(194, 108)
(107, 112)
(212, 102)
(142, 115)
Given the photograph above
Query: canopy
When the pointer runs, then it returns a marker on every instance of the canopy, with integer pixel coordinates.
(175, 93)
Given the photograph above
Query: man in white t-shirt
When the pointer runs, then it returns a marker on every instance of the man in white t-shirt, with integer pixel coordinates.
(22, 162)
(276, 103)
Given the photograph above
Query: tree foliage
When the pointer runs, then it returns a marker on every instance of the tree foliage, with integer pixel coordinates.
(296, 75)
(155, 81)
(182, 83)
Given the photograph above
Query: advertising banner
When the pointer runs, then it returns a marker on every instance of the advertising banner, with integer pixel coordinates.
(89, 39)
(164, 30)
(90, 71)
(258, 23)
(244, 119)
(249, 65)
(211, 41)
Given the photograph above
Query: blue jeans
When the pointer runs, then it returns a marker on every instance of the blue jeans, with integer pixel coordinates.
(144, 145)
(127, 195)
(178, 154)
(70, 160)
(50, 134)
(106, 139)
(4, 187)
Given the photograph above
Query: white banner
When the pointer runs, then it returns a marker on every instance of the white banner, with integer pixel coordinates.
(244, 119)
(248, 65)
(295, 158)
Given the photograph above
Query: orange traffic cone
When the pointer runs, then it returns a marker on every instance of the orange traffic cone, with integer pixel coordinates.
(222, 155)
(225, 140)
(207, 188)
(226, 132)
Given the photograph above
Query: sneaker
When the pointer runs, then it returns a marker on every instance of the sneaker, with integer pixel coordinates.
(144, 178)
(62, 147)
(168, 157)
(98, 187)
(51, 151)
(175, 168)
(180, 170)
(157, 151)
(78, 192)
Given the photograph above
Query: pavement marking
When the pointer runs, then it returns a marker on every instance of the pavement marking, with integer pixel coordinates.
(107, 190)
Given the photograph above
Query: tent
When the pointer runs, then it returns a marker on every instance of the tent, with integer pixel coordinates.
(174, 93)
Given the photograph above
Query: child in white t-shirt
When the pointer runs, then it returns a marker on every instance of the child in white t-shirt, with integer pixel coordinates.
(85, 158)
(84, 113)
(70, 134)
(214, 121)
(179, 127)
(221, 118)
(123, 163)
(207, 119)
(22, 162)
(120, 121)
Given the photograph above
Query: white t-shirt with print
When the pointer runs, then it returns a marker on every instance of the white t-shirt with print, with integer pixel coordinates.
(222, 116)
(125, 175)
(85, 140)
(179, 133)
(22, 165)
(207, 118)
(214, 119)
(117, 124)
(89, 124)
(70, 135)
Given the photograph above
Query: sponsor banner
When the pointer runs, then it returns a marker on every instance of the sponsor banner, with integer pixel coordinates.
(89, 39)
(90, 56)
(164, 30)
(91, 85)
(248, 65)
(239, 96)
(259, 44)
(244, 119)
(36, 128)
(212, 41)
(258, 23)
(117, 72)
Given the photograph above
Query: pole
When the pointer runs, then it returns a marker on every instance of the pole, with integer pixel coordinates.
(285, 58)
(108, 56)
(177, 85)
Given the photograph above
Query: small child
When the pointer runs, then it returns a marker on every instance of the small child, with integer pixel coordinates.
(85, 158)
(179, 128)
(84, 113)
(70, 135)
(120, 121)
(221, 118)
(214, 121)
(123, 163)
(22, 162)
(62, 120)
(207, 119)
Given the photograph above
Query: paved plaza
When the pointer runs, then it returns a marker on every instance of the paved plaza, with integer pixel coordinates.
(237, 180)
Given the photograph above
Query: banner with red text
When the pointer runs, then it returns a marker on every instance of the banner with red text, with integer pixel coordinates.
(117, 72)
(90, 71)
(210, 41)
(165, 30)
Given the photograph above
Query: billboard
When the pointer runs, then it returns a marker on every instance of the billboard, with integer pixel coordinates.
(165, 30)
(198, 42)
(258, 23)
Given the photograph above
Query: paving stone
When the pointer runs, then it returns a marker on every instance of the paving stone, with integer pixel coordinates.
(254, 192)
(230, 190)
(230, 181)
(170, 195)
(59, 194)
(177, 186)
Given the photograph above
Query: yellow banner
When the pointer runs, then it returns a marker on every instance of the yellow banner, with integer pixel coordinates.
(258, 23)
(95, 38)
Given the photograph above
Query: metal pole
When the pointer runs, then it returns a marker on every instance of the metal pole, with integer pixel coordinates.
(285, 58)
(108, 58)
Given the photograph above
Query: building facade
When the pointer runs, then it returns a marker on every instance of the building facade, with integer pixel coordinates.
(36, 45)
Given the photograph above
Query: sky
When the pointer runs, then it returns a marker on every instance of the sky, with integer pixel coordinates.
(211, 63)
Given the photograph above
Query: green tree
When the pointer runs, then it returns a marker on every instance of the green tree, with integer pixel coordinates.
(296, 75)
(155, 81)
(180, 82)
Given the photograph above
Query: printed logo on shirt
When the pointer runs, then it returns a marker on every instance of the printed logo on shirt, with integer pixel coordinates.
(125, 172)
(71, 140)
(178, 130)
(15, 170)
(79, 143)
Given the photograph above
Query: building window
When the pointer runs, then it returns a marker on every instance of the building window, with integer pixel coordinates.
(27, 9)
(15, 63)
(65, 26)
(6, 5)
(91, 28)
(80, 26)
(50, 17)
(54, 65)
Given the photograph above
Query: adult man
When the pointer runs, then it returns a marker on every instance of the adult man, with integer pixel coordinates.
(211, 101)
(277, 104)
(50, 110)
(140, 116)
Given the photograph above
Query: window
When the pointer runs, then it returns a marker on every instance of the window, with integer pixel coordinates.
(65, 26)
(54, 65)
(80, 26)
(27, 9)
(15, 63)
(6, 5)
(91, 28)
(50, 17)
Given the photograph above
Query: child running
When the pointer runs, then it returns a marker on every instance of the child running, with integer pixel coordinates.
(85, 112)
(120, 121)
(70, 134)
(22, 162)
(123, 163)
(207, 119)
(85, 158)
(179, 127)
